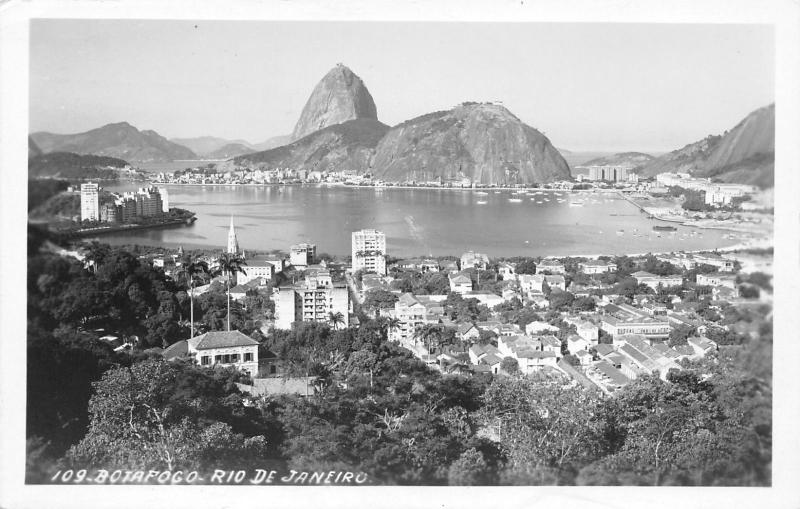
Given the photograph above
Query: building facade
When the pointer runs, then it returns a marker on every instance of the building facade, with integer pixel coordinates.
(302, 255)
(90, 202)
(369, 251)
(312, 300)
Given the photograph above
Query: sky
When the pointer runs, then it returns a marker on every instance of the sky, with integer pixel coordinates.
(587, 86)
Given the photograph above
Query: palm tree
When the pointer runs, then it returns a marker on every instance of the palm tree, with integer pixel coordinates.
(427, 333)
(393, 323)
(191, 267)
(96, 254)
(229, 264)
(336, 319)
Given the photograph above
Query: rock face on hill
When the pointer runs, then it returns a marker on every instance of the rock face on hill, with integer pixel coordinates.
(484, 142)
(743, 155)
(120, 140)
(632, 160)
(346, 146)
(340, 96)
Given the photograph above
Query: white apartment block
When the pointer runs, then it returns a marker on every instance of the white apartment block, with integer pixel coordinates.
(90, 202)
(369, 251)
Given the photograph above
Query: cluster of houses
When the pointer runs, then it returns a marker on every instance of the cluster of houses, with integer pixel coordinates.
(601, 349)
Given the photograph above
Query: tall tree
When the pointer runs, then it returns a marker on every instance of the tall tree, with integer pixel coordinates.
(229, 265)
(191, 267)
(336, 319)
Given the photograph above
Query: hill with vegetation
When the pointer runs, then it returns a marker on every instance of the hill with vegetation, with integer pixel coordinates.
(483, 142)
(633, 160)
(340, 147)
(67, 165)
(743, 155)
(120, 140)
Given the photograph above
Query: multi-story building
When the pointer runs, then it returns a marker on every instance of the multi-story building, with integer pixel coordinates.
(90, 202)
(551, 265)
(312, 300)
(257, 267)
(598, 267)
(109, 213)
(460, 283)
(302, 255)
(610, 173)
(653, 281)
(471, 259)
(624, 319)
(369, 251)
(164, 200)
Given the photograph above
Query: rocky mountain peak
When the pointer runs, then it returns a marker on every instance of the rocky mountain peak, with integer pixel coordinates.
(340, 96)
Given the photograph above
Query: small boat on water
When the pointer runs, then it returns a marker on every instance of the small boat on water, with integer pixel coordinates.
(576, 203)
(664, 228)
(620, 232)
(482, 193)
(481, 202)
(515, 200)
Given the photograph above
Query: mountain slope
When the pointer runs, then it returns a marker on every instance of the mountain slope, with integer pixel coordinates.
(229, 150)
(745, 154)
(629, 159)
(482, 142)
(346, 146)
(275, 141)
(340, 96)
(120, 140)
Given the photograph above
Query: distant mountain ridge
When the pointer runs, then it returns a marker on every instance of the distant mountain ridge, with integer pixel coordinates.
(230, 150)
(744, 155)
(120, 140)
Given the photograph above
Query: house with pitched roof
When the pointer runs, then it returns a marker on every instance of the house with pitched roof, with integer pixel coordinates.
(460, 283)
(219, 348)
(468, 332)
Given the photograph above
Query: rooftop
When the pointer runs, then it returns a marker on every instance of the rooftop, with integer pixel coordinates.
(222, 339)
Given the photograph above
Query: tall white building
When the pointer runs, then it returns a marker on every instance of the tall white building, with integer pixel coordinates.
(369, 251)
(90, 202)
(164, 199)
(233, 243)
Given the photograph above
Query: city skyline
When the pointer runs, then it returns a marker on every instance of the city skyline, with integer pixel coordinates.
(650, 87)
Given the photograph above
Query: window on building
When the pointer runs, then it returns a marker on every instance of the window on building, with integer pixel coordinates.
(248, 357)
(205, 360)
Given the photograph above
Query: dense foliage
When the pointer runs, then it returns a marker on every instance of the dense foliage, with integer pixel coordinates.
(373, 407)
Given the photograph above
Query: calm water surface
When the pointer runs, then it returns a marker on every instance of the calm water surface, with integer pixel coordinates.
(416, 221)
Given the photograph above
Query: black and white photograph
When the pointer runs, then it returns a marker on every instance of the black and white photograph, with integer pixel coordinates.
(378, 249)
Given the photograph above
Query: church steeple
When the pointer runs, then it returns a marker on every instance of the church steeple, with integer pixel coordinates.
(233, 243)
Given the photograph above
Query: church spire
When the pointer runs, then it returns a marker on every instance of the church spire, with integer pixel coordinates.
(233, 243)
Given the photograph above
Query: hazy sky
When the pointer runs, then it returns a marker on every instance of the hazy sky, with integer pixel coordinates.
(586, 86)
